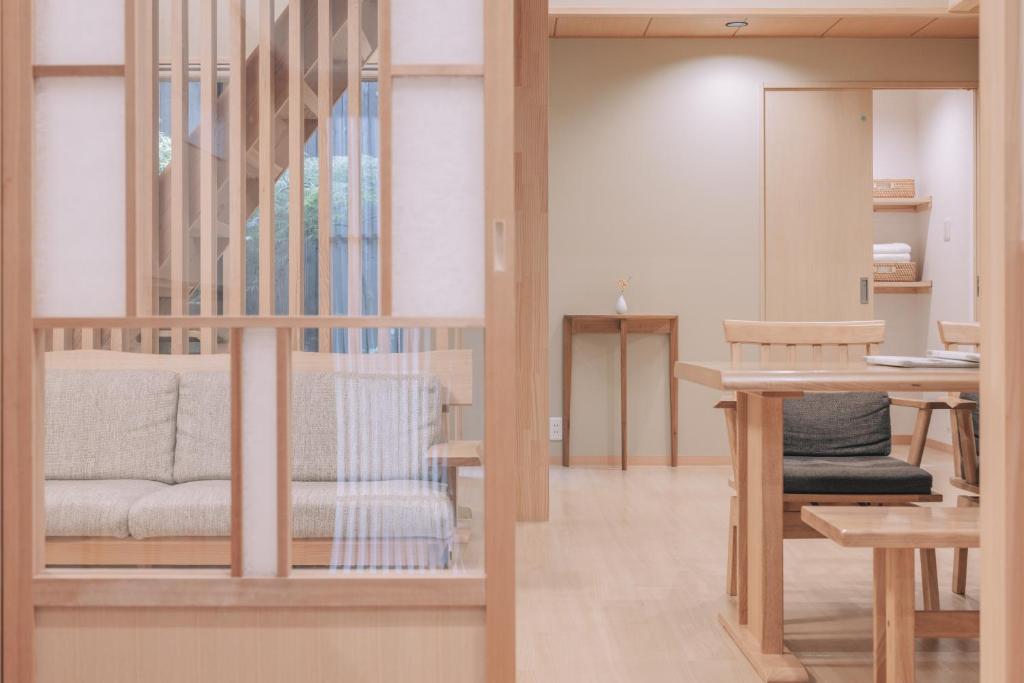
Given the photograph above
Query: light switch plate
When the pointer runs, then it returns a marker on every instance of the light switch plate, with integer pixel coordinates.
(555, 429)
(947, 226)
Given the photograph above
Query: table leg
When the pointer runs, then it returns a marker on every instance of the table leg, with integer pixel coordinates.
(759, 425)
(566, 387)
(899, 615)
(742, 515)
(673, 391)
(879, 616)
(623, 337)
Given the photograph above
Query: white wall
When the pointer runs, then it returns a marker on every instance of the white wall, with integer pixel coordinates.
(654, 173)
(928, 135)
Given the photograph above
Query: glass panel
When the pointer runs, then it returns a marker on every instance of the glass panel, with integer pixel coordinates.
(437, 32)
(67, 33)
(137, 459)
(79, 201)
(438, 196)
(381, 481)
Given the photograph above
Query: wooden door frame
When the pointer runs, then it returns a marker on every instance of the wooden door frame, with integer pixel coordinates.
(837, 85)
(1001, 260)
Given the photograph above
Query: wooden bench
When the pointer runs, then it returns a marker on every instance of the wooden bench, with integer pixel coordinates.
(895, 533)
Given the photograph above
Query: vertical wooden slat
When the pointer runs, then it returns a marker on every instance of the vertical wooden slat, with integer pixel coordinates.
(131, 259)
(235, 345)
(766, 353)
(207, 172)
(146, 169)
(816, 352)
(355, 171)
(179, 165)
(284, 461)
(237, 173)
(324, 101)
(89, 338)
(266, 157)
(296, 172)
(58, 339)
(384, 147)
(844, 353)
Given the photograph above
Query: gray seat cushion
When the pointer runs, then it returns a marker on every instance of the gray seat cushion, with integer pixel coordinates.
(96, 507)
(110, 424)
(837, 424)
(872, 474)
(349, 427)
(396, 509)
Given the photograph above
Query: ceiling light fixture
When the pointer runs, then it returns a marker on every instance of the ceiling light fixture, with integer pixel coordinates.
(737, 24)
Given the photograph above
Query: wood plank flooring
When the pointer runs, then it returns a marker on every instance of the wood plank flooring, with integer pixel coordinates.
(625, 582)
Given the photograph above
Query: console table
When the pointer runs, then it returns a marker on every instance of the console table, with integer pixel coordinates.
(623, 325)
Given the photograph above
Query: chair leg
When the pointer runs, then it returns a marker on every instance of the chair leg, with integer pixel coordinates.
(929, 579)
(730, 570)
(960, 558)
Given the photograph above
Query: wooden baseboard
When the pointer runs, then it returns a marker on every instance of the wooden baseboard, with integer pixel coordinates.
(642, 460)
(904, 440)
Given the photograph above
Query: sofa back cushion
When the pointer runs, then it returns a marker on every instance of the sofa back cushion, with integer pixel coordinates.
(837, 425)
(344, 427)
(110, 424)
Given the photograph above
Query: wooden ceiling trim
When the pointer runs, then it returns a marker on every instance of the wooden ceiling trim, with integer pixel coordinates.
(604, 22)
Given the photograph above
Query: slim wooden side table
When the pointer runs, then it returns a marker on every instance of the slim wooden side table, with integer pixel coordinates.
(622, 325)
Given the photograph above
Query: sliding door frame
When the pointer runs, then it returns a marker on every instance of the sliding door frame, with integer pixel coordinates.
(27, 585)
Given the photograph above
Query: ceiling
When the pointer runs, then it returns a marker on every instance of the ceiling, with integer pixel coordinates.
(605, 23)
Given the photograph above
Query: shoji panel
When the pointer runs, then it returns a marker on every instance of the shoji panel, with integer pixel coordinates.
(437, 190)
(64, 34)
(437, 32)
(79, 197)
(259, 452)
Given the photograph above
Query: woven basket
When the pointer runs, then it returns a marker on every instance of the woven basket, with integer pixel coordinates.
(895, 271)
(889, 188)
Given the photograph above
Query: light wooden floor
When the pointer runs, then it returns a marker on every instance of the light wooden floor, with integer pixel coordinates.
(625, 582)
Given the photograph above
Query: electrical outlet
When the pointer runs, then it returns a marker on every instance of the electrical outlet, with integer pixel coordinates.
(554, 429)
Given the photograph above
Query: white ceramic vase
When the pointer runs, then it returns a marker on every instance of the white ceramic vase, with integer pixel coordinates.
(620, 305)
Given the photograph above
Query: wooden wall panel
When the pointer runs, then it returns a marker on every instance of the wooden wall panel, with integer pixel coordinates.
(532, 251)
(265, 644)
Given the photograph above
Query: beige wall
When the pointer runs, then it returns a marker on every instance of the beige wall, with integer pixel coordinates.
(654, 173)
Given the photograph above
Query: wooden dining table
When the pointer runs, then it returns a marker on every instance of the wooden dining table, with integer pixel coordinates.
(756, 625)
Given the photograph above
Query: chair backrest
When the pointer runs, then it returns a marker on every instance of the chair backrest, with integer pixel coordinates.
(958, 335)
(817, 336)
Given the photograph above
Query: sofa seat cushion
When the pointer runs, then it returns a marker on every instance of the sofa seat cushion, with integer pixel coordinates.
(354, 510)
(871, 474)
(96, 507)
(110, 424)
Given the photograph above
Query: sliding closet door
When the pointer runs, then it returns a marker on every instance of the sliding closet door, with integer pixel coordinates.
(818, 230)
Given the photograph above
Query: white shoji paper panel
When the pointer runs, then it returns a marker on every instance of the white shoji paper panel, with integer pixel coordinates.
(438, 196)
(437, 31)
(79, 31)
(259, 452)
(78, 237)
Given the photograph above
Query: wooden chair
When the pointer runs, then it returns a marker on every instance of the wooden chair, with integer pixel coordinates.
(963, 418)
(791, 341)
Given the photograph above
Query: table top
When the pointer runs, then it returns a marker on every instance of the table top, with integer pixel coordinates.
(627, 316)
(783, 376)
(640, 324)
(896, 527)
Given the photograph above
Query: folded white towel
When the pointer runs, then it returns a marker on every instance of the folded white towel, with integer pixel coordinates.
(892, 248)
(892, 258)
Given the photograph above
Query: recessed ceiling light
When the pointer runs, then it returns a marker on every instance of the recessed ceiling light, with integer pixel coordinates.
(737, 24)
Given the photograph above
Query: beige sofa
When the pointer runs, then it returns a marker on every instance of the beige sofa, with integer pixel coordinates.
(138, 460)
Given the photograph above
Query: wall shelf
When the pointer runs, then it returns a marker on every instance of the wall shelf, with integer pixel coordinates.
(909, 205)
(921, 287)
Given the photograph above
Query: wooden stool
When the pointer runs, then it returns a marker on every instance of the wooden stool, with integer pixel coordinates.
(895, 533)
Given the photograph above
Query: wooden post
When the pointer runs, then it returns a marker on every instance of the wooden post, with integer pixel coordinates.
(179, 167)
